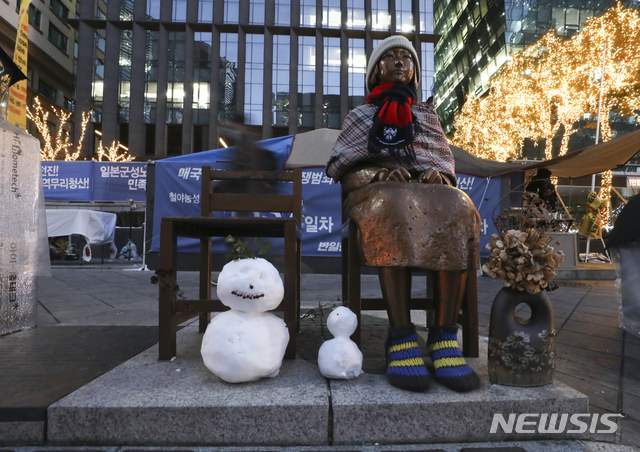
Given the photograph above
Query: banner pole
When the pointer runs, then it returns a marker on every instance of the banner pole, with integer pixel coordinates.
(593, 176)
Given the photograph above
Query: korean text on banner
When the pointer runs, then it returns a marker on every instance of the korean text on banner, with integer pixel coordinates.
(68, 181)
(113, 181)
(17, 114)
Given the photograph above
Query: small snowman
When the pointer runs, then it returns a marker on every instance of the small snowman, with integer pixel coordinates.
(246, 343)
(340, 357)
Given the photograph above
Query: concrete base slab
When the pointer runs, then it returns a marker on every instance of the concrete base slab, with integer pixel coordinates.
(370, 411)
(180, 403)
(149, 402)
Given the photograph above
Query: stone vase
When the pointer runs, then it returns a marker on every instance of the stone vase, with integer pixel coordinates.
(521, 352)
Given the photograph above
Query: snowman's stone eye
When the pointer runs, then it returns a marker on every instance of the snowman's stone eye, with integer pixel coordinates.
(250, 286)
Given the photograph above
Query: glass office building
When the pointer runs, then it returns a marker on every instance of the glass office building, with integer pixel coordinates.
(163, 76)
(477, 37)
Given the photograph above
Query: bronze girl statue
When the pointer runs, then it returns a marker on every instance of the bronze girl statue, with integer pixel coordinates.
(393, 158)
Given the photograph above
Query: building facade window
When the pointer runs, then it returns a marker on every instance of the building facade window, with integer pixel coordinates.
(228, 66)
(331, 84)
(308, 13)
(281, 67)
(254, 80)
(179, 11)
(35, 16)
(201, 78)
(256, 12)
(69, 104)
(283, 13)
(151, 77)
(126, 9)
(331, 15)
(355, 15)
(231, 11)
(357, 72)
(205, 11)
(97, 88)
(327, 40)
(47, 90)
(427, 71)
(404, 16)
(175, 77)
(153, 9)
(426, 17)
(57, 38)
(124, 75)
(100, 12)
(380, 19)
(306, 81)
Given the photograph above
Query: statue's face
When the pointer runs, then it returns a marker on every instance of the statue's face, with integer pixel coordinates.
(396, 66)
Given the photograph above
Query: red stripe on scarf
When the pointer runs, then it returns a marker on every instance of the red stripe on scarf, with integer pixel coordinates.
(391, 112)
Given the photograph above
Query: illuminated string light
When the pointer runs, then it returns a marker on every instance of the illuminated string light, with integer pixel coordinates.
(112, 153)
(544, 91)
(59, 148)
(547, 89)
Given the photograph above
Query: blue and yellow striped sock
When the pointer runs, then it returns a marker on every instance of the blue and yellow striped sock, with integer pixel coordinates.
(405, 366)
(451, 368)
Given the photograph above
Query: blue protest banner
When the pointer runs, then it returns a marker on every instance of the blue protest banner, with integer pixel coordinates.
(67, 181)
(119, 181)
(178, 194)
(321, 214)
(485, 194)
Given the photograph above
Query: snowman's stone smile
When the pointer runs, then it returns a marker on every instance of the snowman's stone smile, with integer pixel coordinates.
(249, 296)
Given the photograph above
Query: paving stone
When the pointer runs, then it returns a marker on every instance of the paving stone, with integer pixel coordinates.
(604, 311)
(607, 332)
(599, 396)
(595, 319)
(631, 378)
(630, 432)
(44, 364)
(587, 371)
(591, 357)
(590, 342)
(631, 405)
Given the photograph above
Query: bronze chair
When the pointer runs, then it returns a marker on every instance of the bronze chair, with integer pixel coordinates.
(351, 294)
(173, 311)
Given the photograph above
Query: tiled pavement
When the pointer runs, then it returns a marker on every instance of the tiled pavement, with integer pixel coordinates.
(595, 356)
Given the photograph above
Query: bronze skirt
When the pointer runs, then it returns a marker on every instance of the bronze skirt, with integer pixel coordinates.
(409, 224)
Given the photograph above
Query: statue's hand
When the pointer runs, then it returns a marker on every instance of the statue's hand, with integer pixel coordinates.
(399, 174)
(430, 176)
(381, 175)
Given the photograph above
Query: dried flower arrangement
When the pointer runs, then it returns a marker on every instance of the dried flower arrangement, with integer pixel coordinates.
(521, 253)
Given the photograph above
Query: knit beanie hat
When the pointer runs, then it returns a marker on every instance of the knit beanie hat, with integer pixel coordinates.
(392, 42)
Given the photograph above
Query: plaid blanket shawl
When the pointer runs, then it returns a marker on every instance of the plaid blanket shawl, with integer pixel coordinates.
(430, 144)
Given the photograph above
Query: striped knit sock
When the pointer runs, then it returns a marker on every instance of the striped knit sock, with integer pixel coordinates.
(405, 367)
(451, 368)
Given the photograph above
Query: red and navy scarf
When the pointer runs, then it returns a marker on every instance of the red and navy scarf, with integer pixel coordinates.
(393, 122)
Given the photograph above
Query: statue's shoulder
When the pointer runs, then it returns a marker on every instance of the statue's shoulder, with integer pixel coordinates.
(360, 114)
(365, 109)
(424, 107)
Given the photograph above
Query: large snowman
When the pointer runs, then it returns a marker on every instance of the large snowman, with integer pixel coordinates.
(246, 343)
